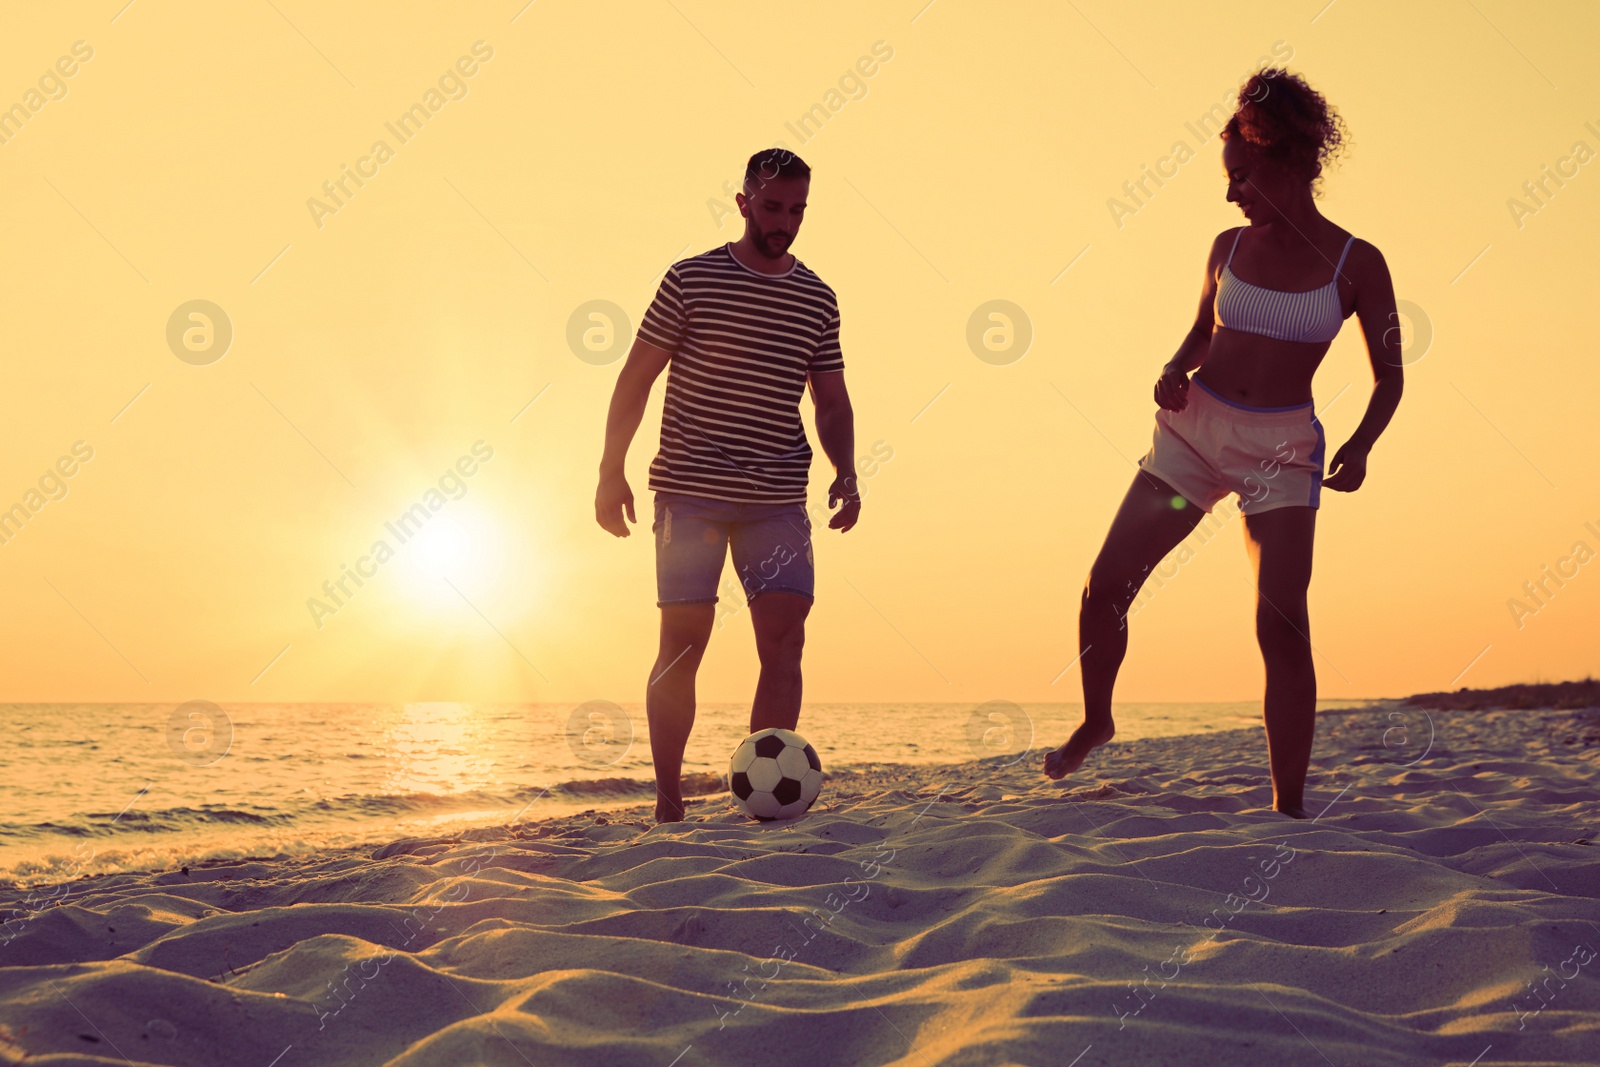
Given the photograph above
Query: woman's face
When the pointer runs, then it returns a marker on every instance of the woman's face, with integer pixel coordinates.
(1260, 188)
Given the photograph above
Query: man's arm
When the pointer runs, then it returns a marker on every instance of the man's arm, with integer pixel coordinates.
(836, 431)
(613, 498)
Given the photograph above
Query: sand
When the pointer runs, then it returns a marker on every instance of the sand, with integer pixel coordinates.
(1153, 910)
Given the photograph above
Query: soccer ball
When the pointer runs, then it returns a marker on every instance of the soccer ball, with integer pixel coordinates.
(774, 774)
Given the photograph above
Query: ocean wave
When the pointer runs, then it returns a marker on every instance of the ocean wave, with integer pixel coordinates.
(165, 820)
(358, 807)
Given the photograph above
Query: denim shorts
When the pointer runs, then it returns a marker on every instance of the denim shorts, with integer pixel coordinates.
(771, 548)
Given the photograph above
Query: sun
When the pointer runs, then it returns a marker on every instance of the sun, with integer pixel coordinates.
(467, 564)
(445, 547)
(460, 546)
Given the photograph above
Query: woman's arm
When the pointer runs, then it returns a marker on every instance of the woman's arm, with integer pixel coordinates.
(1380, 326)
(1192, 352)
(1172, 388)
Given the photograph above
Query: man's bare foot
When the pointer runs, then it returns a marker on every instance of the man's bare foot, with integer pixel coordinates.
(1294, 811)
(1070, 756)
(668, 809)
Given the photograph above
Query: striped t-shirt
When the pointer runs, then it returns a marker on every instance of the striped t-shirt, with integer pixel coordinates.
(742, 345)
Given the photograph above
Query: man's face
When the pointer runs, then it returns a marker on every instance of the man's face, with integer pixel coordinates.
(773, 209)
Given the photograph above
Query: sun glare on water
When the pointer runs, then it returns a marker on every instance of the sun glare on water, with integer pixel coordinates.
(436, 747)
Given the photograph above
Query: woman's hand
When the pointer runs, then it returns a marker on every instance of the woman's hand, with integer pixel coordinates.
(1348, 469)
(1172, 389)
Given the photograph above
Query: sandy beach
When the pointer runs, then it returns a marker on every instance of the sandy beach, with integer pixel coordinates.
(1442, 909)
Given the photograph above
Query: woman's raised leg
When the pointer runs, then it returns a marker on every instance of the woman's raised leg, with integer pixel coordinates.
(1152, 520)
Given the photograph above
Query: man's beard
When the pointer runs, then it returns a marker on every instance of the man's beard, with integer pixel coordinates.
(765, 244)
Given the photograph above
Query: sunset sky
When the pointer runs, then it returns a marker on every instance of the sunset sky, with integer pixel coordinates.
(377, 338)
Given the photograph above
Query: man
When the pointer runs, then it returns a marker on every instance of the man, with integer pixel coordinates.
(745, 327)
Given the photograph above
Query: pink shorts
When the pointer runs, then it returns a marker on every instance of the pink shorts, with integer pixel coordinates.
(1271, 457)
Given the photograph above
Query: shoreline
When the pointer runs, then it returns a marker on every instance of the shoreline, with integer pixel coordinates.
(190, 831)
(707, 794)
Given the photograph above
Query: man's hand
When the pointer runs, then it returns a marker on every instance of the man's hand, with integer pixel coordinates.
(1172, 389)
(610, 501)
(843, 490)
(1348, 469)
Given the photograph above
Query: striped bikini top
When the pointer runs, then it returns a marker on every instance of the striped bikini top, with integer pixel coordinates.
(1314, 316)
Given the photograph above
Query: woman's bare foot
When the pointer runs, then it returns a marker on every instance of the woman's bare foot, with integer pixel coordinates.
(1070, 756)
(1294, 811)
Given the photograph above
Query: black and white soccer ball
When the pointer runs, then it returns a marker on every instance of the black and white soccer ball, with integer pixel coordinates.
(774, 774)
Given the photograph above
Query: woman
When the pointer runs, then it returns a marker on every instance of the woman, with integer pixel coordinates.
(1245, 423)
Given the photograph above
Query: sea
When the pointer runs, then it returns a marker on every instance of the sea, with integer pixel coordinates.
(99, 788)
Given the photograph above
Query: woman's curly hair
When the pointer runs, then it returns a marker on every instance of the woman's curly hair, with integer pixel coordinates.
(1285, 121)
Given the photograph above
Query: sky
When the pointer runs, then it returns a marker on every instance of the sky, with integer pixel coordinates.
(227, 376)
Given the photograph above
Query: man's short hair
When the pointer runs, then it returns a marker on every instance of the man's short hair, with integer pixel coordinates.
(771, 163)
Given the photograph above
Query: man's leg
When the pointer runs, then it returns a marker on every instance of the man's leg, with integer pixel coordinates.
(691, 544)
(1280, 546)
(780, 624)
(772, 555)
(669, 699)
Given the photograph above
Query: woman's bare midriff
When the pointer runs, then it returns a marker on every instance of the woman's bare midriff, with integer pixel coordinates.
(1259, 371)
